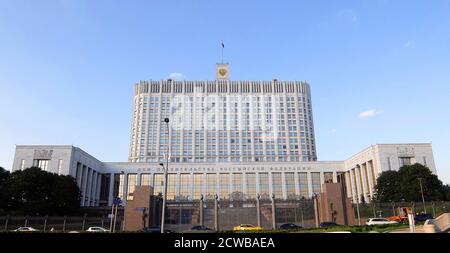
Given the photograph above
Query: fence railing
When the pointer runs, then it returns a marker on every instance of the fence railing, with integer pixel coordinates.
(181, 216)
(57, 223)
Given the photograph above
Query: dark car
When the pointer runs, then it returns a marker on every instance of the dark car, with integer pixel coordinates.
(155, 230)
(289, 226)
(200, 228)
(328, 224)
(423, 217)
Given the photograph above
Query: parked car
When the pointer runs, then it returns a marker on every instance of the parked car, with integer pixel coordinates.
(328, 224)
(247, 227)
(422, 217)
(379, 221)
(25, 229)
(200, 228)
(97, 230)
(155, 230)
(289, 226)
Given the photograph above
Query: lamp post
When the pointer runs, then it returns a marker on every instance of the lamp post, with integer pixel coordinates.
(258, 214)
(165, 177)
(423, 199)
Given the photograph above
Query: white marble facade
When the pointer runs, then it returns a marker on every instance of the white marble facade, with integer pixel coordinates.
(191, 180)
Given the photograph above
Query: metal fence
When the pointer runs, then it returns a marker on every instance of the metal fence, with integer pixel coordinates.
(376, 209)
(182, 215)
(57, 224)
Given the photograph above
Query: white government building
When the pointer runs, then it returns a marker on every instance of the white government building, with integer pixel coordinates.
(235, 139)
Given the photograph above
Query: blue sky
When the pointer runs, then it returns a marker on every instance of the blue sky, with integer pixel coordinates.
(67, 67)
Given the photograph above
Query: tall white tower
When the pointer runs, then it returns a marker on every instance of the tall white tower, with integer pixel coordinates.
(223, 120)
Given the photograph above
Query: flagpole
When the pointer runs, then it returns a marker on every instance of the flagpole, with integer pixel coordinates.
(222, 50)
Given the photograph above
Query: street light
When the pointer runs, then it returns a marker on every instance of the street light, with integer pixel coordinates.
(423, 199)
(165, 177)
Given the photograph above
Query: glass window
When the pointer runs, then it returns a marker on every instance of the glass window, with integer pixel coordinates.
(264, 185)
(290, 185)
(211, 184)
(303, 184)
(251, 185)
(171, 186)
(158, 183)
(198, 185)
(60, 161)
(315, 180)
(184, 186)
(145, 179)
(224, 181)
(328, 177)
(277, 185)
(237, 183)
(131, 186)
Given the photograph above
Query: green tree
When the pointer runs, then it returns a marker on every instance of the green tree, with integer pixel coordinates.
(36, 192)
(405, 184)
(446, 192)
(4, 175)
(411, 176)
(388, 187)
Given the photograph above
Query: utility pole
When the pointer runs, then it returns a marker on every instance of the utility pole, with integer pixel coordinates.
(258, 210)
(216, 212)
(165, 177)
(274, 222)
(423, 199)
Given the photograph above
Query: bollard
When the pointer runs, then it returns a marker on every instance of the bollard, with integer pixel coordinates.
(6, 222)
(64, 224)
(84, 222)
(45, 222)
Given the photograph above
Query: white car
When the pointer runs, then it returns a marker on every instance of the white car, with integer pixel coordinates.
(97, 230)
(25, 229)
(379, 221)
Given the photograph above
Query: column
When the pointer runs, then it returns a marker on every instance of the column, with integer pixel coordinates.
(347, 184)
(88, 187)
(98, 189)
(177, 184)
(191, 186)
(271, 185)
(322, 180)
(84, 184)
(138, 179)
(125, 189)
(111, 189)
(369, 178)
(93, 188)
(352, 185)
(283, 185)
(358, 183)
(257, 182)
(204, 183)
(310, 189)
(244, 184)
(364, 182)
(334, 177)
(297, 185)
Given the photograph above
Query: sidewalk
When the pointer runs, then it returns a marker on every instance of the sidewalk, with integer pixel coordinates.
(419, 229)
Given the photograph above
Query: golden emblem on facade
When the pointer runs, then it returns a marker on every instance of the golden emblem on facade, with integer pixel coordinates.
(222, 72)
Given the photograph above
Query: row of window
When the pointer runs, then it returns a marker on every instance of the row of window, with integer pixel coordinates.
(225, 185)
